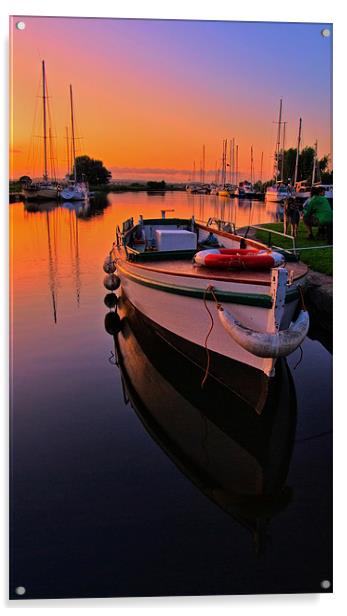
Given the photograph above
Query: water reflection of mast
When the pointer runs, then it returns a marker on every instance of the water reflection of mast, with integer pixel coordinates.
(77, 269)
(51, 270)
(74, 246)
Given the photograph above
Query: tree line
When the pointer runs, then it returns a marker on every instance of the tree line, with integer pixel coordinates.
(305, 166)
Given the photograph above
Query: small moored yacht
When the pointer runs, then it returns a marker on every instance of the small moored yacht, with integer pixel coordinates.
(45, 189)
(74, 191)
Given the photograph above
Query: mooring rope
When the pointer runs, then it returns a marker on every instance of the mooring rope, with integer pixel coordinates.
(209, 289)
(301, 292)
(300, 360)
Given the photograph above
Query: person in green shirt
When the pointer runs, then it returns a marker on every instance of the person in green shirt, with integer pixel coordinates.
(318, 213)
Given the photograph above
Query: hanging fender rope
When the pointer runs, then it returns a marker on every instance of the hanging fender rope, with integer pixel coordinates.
(209, 289)
(301, 292)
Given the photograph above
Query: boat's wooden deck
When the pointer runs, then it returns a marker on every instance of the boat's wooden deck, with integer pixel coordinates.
(185, 267)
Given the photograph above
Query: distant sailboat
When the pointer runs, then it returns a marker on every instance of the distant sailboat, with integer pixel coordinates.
(75, 191)
(222, 190)
(279, 191)
(45, 190)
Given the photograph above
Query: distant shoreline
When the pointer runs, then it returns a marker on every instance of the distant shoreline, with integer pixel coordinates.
(152, 186)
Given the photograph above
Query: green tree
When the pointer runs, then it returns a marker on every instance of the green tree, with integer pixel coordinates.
(305, 166)
(92, 170)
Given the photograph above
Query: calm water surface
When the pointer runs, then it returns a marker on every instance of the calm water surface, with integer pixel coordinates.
(102, 502)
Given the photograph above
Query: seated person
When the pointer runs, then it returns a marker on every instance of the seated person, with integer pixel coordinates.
(318, 213)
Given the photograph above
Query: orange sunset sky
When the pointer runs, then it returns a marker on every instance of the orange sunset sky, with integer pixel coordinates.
(148, 94)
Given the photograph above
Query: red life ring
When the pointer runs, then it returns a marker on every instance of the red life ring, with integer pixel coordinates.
(238, 259)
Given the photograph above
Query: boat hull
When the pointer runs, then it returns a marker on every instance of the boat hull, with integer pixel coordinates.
(182, 308)
(74, 194)
(235, 457)
(41, 194)
(275, 197)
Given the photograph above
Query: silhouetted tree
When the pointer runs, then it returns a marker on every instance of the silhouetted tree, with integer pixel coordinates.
(25, 179)
(152, 185)
(91, 170)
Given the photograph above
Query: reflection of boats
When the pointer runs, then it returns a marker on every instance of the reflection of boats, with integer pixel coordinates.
(44, 206)
(46, 189)
(195, 302)
(235, 457)
(75, 191)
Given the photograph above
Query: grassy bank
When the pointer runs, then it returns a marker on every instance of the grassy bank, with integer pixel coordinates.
(320, 260)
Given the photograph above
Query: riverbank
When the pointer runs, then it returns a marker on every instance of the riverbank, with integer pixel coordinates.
(318, 259)
(319, 280)
(15, 188)
(137, 187)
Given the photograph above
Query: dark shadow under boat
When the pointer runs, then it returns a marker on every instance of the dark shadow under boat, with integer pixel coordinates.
(237, 458)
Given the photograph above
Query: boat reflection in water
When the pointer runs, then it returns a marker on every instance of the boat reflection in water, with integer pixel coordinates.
(87, 209)
(236, 457)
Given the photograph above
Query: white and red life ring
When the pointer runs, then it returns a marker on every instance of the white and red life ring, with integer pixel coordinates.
(238, 258)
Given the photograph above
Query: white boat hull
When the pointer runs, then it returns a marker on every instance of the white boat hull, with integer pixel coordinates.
(71, 194)
(186, 316)
(275, 196)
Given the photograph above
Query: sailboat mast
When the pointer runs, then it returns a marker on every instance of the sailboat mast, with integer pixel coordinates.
(261, 167)
(283, 146)
(67, 150)
(233, 162)
(225, 146)
(278, 143)
(252, 165)
(44, 101)
(297, 154)
(237, 165)
(314, 163)
(203, 165)
(73, 135)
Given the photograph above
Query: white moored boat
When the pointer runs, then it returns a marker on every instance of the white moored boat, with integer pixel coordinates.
(41, 191)
(237, 305)
(76, 190)
(277, 193)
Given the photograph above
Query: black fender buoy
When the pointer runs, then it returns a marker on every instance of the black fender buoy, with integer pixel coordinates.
(111, 282)
(110, 300)
(113, 323)
(109, 265)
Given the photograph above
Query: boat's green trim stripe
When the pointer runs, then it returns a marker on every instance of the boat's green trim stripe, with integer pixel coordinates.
(248, 299)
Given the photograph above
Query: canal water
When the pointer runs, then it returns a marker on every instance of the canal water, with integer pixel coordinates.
(118, 459)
